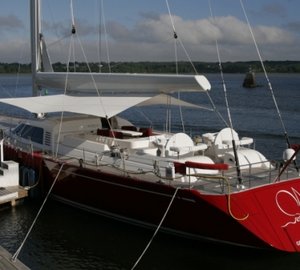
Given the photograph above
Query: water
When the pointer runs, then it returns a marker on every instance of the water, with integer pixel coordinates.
(68, 238)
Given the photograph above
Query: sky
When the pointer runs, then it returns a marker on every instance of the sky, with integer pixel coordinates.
(140, 30)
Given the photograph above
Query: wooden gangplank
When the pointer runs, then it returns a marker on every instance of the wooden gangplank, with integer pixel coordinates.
(12, 194)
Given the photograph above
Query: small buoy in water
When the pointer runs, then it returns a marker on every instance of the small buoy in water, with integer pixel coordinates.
(288, 153)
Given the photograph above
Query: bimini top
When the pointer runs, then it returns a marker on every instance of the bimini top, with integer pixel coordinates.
(98, 106)
(106, 106)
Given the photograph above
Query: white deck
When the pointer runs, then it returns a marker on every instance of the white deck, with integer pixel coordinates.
(149, 158)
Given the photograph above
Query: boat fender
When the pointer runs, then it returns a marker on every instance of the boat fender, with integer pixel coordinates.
(23, 176)
(287, 154)
(31, 177)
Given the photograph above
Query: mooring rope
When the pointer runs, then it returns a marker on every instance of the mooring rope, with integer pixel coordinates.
(15, 256)
(157, 229)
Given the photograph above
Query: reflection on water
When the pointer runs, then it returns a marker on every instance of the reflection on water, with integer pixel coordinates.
(68, 238)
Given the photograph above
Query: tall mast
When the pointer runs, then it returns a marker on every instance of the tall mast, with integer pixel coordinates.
(35, 40)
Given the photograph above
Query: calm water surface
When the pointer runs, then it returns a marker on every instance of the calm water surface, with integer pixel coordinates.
(68, 238)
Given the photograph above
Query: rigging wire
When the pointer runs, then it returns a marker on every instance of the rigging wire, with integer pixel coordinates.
(266, 74)
(226, 101)
(71, 49)
(18, 71)
(171, 17)
(59, 38)
(106, 37)
(169, 113)
(167, 116)
(181, 114)
(72, 17)
(101, 105)
(99, 36)
(175, 36)
(90, 70)
(178, 38)
(72, 52)
(65, 92)
(73, 56)
(192, 64)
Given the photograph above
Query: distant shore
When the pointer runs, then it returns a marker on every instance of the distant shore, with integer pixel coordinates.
(163, 67)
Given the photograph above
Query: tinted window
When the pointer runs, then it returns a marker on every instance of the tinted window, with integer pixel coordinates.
(34, 134)
(18, 129)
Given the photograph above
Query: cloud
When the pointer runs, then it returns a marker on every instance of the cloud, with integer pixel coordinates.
(274, 9)
(10, 23)
(13, 46)
(16, 51)
(152, 39)
(293, 26)
(155, 32)
(271, 10)
(64, 28)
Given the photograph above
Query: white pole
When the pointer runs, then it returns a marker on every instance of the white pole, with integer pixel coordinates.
(35, 55)
(2, 155)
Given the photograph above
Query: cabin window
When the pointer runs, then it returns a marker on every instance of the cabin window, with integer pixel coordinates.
(35, 134)
(18, 129)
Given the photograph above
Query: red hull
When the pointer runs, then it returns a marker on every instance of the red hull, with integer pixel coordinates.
(268, 216)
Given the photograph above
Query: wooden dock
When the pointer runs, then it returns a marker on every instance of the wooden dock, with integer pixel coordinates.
(6, 262)
(12, 194)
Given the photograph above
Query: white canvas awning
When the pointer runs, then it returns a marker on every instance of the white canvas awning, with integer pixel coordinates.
(105, 106)
(163, 99)
(98, 106)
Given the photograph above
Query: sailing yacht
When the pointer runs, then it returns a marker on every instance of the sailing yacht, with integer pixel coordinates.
(217, 188)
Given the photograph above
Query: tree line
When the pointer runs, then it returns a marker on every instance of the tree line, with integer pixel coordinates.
(163, 67)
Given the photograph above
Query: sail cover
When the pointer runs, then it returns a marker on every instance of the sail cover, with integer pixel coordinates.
(95, 83)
